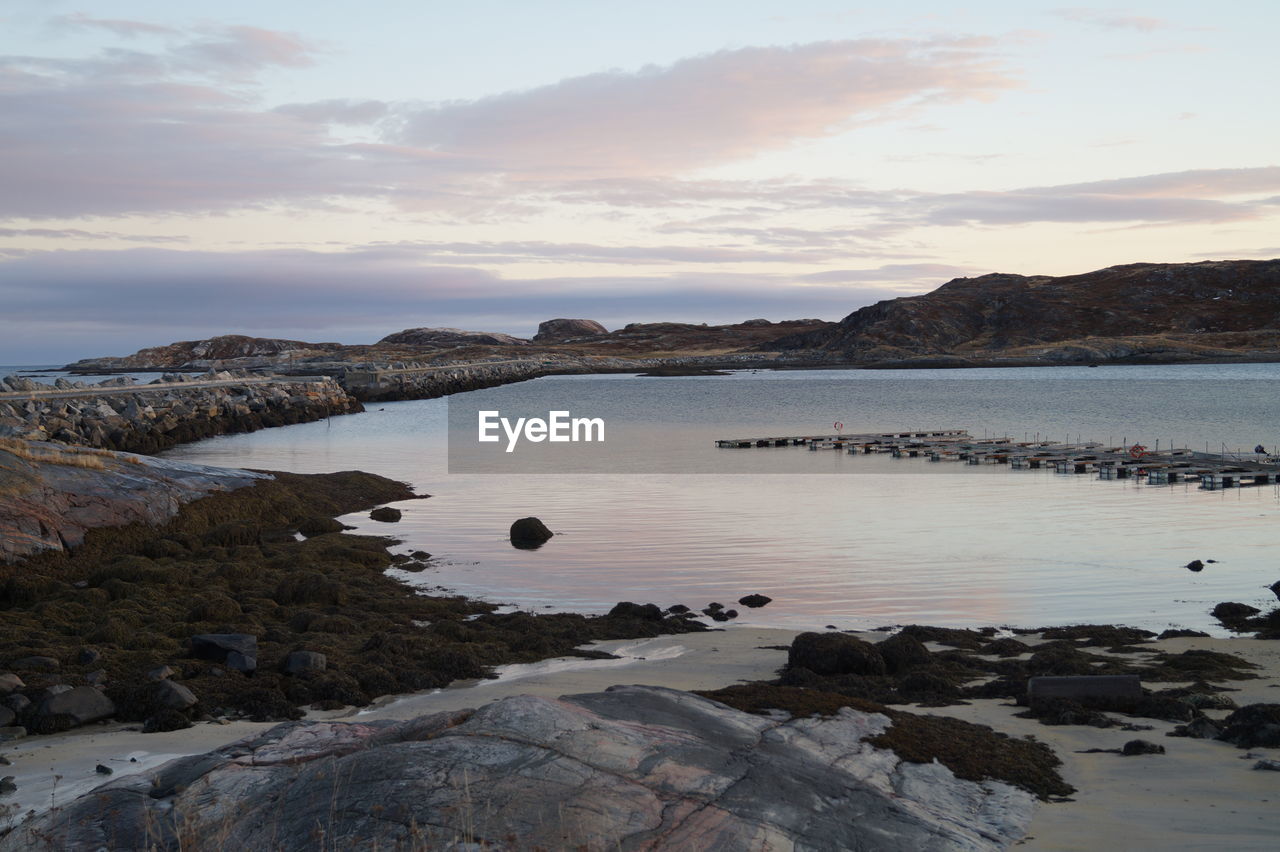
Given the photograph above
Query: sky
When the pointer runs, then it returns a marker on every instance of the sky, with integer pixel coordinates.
(341, 171)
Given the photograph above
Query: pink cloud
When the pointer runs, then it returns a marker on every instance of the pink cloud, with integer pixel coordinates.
(706, 110)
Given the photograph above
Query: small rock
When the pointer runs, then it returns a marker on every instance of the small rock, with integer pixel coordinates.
(103, 770)
(1178, 634)
(1272, 765)
(1195, 565)
(420, 555)
(312, 527)
(714, 607)
(96, 678)
(7, 787)
(754, 601)
(37, 664)
(529, 533)
(834, 654)
(4, 761)
(10, 734)
(56, 689)
(9, 682)
(1275, 588)
(88, 656)
(1201, 728)
(677, 609)
(171, 695)
(386, 514)
(7, 717)
(160, 673)
(1137, 747)
(304, 661)
(17, 702)
(243, 663)
(730, 613)
(237, 651)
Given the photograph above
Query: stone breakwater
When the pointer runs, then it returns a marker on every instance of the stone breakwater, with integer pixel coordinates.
(118, 415)
(401, 380)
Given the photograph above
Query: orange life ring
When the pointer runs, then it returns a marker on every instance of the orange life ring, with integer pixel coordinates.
(1137, 451)
(838, 426)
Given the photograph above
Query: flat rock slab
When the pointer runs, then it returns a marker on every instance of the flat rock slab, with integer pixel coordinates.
(1121, 687)
(629, 768)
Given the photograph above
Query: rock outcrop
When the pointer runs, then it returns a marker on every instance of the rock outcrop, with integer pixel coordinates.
(445, 338)
(631, 768)
(207, 354)
(1160, 311)
(556, 330)
(51, 495)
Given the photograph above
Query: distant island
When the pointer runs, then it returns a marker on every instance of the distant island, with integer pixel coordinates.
(1213, 311)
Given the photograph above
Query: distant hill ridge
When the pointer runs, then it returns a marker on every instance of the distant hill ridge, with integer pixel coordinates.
(1000, 312)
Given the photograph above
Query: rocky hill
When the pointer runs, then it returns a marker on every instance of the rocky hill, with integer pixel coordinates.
(445, 338)
(1165, 310)
(201, 354)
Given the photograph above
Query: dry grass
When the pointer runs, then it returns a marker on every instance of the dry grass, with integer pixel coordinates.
(71, 456)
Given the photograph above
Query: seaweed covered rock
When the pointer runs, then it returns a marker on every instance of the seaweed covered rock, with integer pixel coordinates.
(1253, 726)
(386, 514)
(834, 654)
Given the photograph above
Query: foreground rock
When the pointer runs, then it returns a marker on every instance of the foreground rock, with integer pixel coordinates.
(633, 768)
(52, 495)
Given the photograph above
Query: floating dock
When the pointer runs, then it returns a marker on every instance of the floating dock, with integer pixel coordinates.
(1213, 471)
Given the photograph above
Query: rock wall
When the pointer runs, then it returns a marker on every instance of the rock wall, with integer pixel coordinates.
(149, 418)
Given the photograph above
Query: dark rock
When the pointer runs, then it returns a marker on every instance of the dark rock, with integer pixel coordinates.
(312, 527)
(55, 689)
(1202, 728)
(420, 555)
(714, 607)
(1231, 611)
(36, 664)
(171, 695)
(1195, 565)
(238, 651)
(730, 613)
(12, 733)
(529, 533)
(96, 678)
(165, 720)
(102, 770)
(7, 787)
(1271, 765)
(926, 687)
(754, 601)
(678, 609)
(160, 673)
(1180, 633)
(1275, 588)
(716, 614)
(565, 329)
(7, 717)
(627, 609)
(88, 656)
(300, 662)
(1253, 726)
(78, 706)
(386, 514)
(903, 652)
(1006, 647)
(18, 703)
(1137, 747)
(833, 654)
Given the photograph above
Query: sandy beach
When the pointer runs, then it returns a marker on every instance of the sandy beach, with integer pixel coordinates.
(1201, 794)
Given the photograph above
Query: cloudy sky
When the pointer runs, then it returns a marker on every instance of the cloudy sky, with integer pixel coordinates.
(339, 171)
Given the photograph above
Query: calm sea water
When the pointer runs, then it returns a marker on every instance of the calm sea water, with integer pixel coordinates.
(853, 541)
